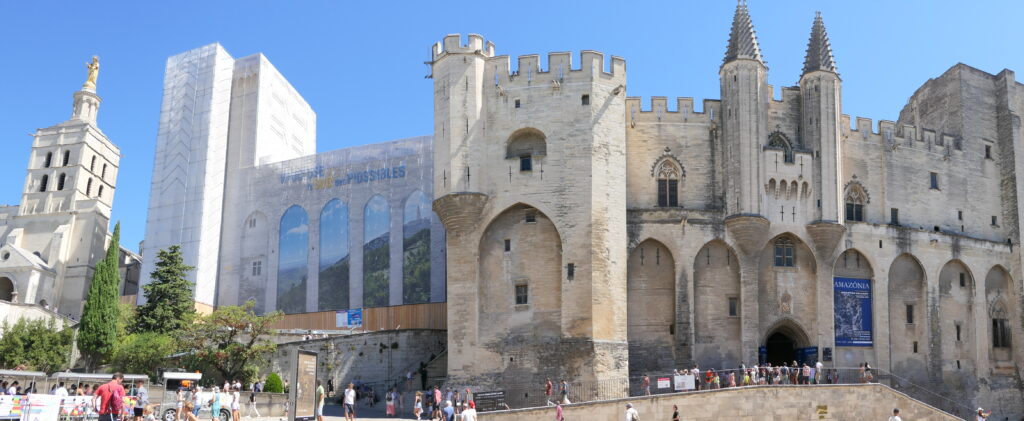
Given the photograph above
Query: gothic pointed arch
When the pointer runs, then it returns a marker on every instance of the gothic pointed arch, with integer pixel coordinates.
(779, 141)
(956, 305)
(908, 317)
(717, 308)
(293, 255)
(856, 197)
(520, 270)
(650, 307)
(786, 282)
(1002, 317)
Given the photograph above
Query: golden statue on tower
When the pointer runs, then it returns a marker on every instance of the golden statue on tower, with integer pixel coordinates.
(94, 71)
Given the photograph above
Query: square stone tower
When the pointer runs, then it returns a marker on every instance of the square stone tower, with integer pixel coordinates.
(529, 171)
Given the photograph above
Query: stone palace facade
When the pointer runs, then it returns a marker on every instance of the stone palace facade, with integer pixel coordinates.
(592, 236)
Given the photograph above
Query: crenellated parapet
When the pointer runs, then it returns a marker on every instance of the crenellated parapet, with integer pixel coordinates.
(659, 111)
(897, 136)
(452, 44)
(561, 71)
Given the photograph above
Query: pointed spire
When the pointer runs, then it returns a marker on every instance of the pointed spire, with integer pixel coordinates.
(819, 49)
(742, 38)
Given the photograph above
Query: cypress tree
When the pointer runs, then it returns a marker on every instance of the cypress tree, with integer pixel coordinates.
(169, 304)
(97, 332)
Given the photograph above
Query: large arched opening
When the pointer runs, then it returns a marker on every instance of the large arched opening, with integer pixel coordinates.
(908, 317)
(783, 343)
(956, 326)
(853, 309)
(716, 306)
(520, 277)
(787, 283)
(650, 308)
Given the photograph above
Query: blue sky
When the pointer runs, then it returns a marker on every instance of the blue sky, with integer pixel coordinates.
(360, 64)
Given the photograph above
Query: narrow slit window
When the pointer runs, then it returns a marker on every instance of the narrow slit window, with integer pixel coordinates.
(910, 314)
(934, 180)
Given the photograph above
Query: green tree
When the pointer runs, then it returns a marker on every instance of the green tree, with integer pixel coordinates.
(36, 344)
(170, 306)
(143, 353)
(98, 329)
(233, 341)
(274, 384)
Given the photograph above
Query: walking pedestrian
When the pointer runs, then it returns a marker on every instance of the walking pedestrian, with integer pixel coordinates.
(320, 396)
(818, 368)
(548, 390)
(417, 405)
(895, 415)
(350, 402)
(111, 398)
(558, 413)
(675, 413)
(197, 400)
(389, 403)
(565, 392)
(252, 404)
(631, 414)
(645, 385)
(236, 402)
(215, 404)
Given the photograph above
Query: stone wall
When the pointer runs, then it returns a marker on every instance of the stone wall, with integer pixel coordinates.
(765, 403)
(382, 357)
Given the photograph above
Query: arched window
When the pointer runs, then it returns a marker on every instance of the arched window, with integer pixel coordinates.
(99, 193)
(88, 187)
(293, 267)
(668, 174)
(525, 145)
(777, 140)
(92, 164)
(67, 158)
(856, 197)
(784, 252)
(103, 174)
(43, 182)
(376, 252)
(60, 181)
(48, 160)
(1000, 325)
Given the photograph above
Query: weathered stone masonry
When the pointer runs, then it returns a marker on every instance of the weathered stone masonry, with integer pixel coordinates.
(592, 237)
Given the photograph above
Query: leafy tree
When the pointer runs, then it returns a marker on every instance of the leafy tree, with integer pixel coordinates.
(36, 344)
(274, 384)
(143, 353)
(232, 341)
(99, 326)
(169, 300)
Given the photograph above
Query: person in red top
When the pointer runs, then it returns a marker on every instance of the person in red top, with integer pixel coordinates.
(111, 399)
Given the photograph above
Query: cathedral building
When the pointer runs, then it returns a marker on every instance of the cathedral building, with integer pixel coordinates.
(53, 239)
(591, 235)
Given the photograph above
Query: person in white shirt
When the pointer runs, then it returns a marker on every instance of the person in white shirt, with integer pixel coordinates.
(61, 390)
(818, 367)
(895, 415)
(350, 402)
(631, 414)
(13, 390)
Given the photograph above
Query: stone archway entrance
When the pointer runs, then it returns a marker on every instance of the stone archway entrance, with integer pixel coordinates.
(785, 342)
(6, 289)
(780, 349)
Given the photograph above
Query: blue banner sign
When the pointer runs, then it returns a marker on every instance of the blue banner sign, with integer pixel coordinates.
(852, 311)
